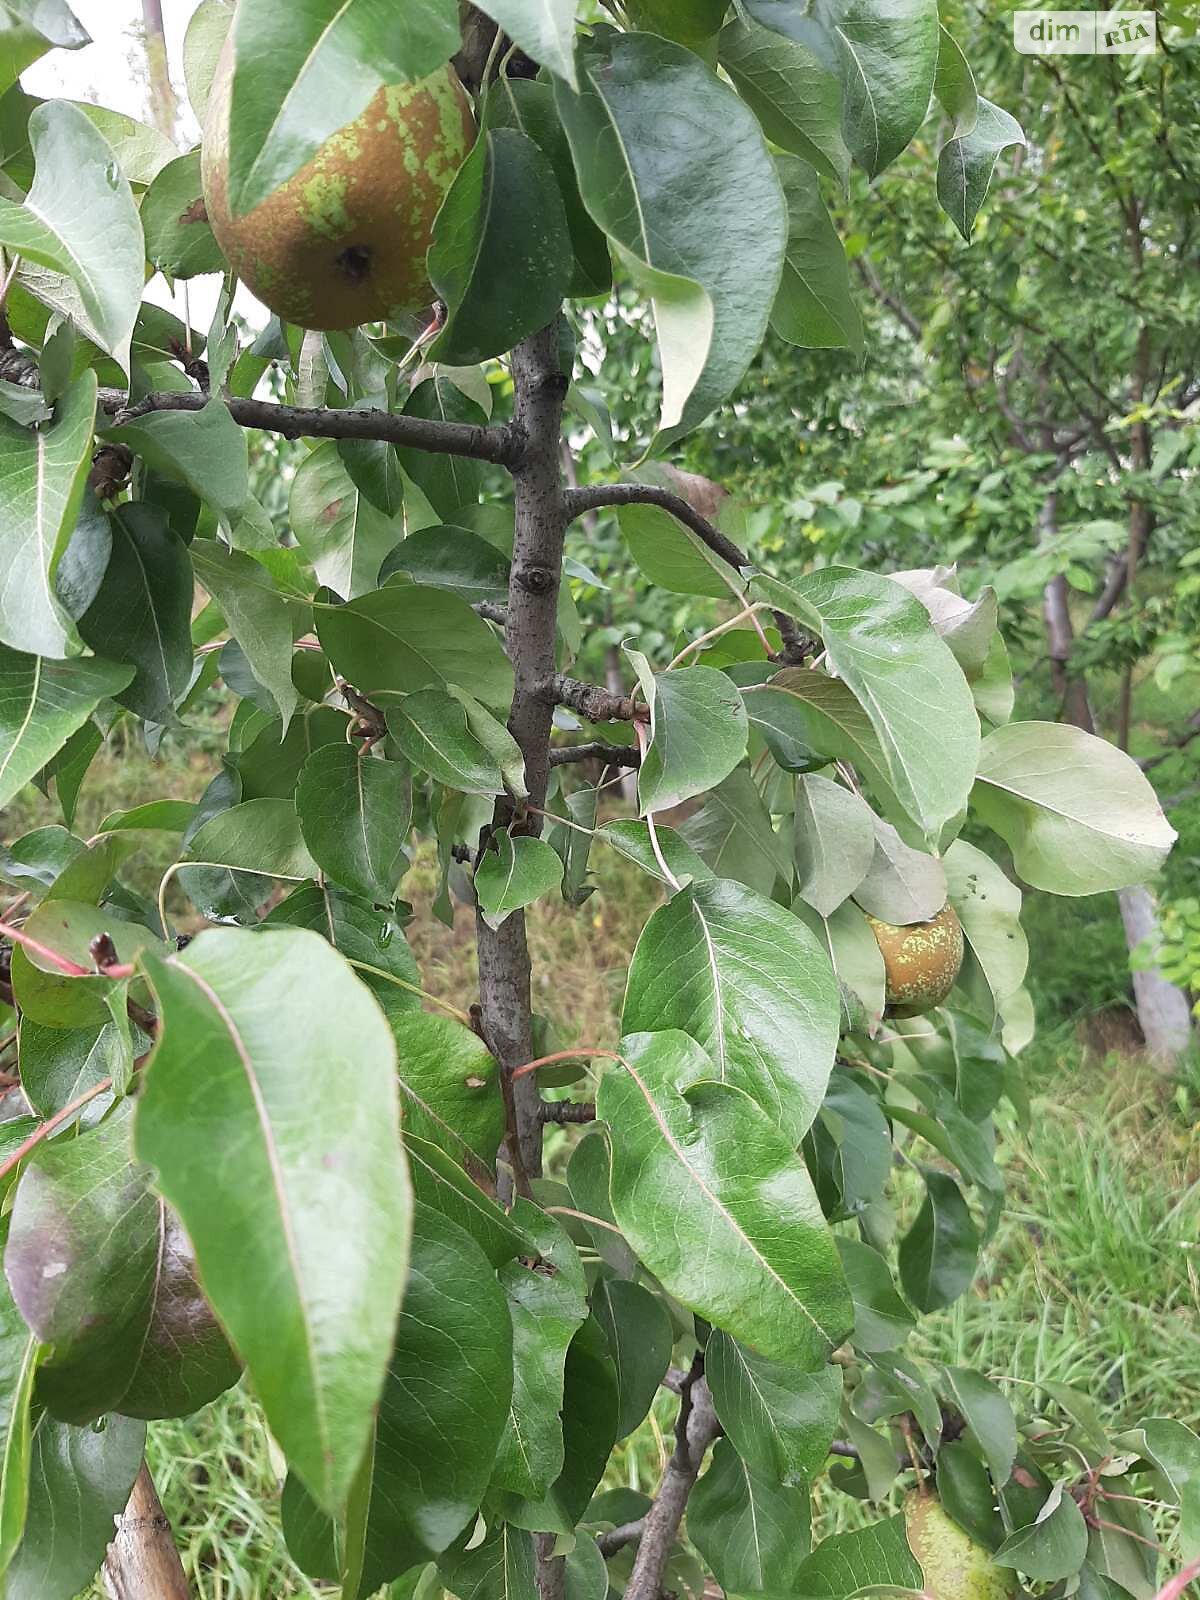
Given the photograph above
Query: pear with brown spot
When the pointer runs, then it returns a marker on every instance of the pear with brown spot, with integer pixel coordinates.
(954, 1567)
(344, 240)
(921, 961)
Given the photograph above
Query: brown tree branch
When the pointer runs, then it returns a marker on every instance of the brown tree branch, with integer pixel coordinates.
(695, 1429)
(567, 1111)
(142, 1562)
(620, 1538)
(602, 496)
(613, 755)
(591, 701)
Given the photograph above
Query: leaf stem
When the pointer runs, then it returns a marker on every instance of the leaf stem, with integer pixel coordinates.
(565, 1055)
(68, 968)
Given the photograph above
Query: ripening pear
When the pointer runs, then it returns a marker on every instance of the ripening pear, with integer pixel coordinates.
(343, 241)
(954, 1566)
(921, 961)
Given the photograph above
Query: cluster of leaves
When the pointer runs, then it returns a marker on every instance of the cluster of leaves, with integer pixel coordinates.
(257, 1150)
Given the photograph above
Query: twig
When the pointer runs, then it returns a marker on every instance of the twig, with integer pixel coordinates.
(45, 1129)
(585, 1051)
(602, 496)
(591, 701)
(491, 612)
(567, 1111)
(612, 755)
(620, 1537)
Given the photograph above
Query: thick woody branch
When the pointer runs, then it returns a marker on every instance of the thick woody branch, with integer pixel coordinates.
(500, 445)
(591, 701)
(695, 1429)
(620, 1537)
(599, 496)
(142, 1559)
(613, 755)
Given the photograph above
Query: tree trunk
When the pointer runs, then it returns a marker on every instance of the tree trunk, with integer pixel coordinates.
(142, 1562)
(1163, 1012)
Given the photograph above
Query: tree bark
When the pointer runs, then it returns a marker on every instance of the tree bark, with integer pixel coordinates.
(695, 1430)
(1163, 1013)
(164, 108)
(541, 525)
(142, 1562)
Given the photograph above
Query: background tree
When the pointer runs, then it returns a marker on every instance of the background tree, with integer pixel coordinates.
(267, 1148)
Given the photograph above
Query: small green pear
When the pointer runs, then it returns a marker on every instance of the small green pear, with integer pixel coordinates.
(953, 1565)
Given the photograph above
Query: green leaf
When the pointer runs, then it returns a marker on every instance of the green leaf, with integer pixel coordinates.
(261, 836)
(441, 1184)
(449, 1086)
(632, 840)
(544, 29)
(547, 1302)
(751, 985)
(79, 1481)
(1078, 814)
(966, 163)
(19, 1356)
(432, 729)
(835, 842)
(989, 907)
(355, 812)
(448, 482)
(885, 57)
(589, 1172)
(142, 612)
(701, 1184)
(283, 1238)
(59, 1064)
(954, 84)
(734, 833)
(698, 733)
(26, 33)
(797, 102)
(406, 637)
(751, 1531)
(141, 150)
(519, 871)
(502, 225)
(338, 529)
(859, 1562)
(529, 107)
(672, 166)
(445, 1404)
(886, 650)
(452, 558)
(814, 307)
(44, 472)
(256, 613)
(43, 992)
(179, 241)
(298, 79)
(780, 1418)
(499, 1567)
(1051, 1547)
(206, 450)
(881, 1318)
(99, 245)
(640, 1338)
(42, 703)
(374, 469)
(989, 1417)
(202, 43)
(937, 1254)
(367, 935)
(902, 885)
(672, 557)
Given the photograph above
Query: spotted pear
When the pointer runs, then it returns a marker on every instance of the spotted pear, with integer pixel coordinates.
(953, 1565)
(921, 961)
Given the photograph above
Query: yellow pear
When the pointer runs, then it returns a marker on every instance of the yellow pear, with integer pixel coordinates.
(343, 241)
(921, 961)
(954, 1566)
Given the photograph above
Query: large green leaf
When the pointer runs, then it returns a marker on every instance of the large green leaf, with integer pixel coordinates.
(336, 526)
(20, 1352)
(26, 33)
(989, 907)
(261, 836)
(698, 733)
(814, 307)
(881, 1318)
(501, 1566)
(937, 1254)
(441, 1184)
(452, 558)
(143, 609)
(673, 167)
(44, 471)
(797, 102)
(870, 1558)
(901, 885)
(432, 729)
(300, 76)
(406, 637)
(547, 1302)
(99, 245)
(713, 1199)
(640, 1337)
(779, 1417)
(672, 557)
(355, 812)
(751, 985)
(449, 1086)
(448, 482)
(42, 703)
(544, 29)
(257, 615)
(286, 1224)
(835, 842)
(884, 53)
(966, 163)
(519, 871)
(205, 450)
(501, 225)
(1078, 814)
(179, 241)
(750, 1529)
(79, 1482)
(1051, 1547)
(884, 647)
(367, 935)
(735, 835)
(444, 1407)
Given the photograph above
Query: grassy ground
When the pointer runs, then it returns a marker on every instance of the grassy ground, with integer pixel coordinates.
(1093, 1276)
